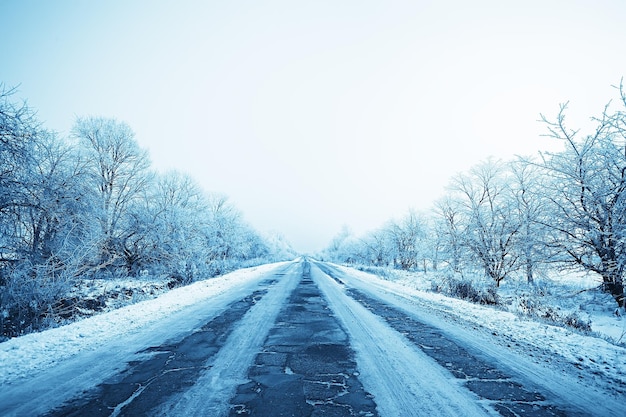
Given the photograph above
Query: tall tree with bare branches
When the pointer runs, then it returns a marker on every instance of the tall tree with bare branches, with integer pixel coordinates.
(587, 195)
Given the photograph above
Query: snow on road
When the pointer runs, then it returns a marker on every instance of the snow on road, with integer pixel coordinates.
(213, 390)
(41, 370)
(583, 370)
(382, 354)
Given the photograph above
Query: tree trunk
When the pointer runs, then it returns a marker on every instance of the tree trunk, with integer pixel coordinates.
(529, 273)
(613, 282)
(616, 289)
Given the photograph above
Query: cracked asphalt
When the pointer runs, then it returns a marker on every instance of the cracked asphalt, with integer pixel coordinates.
(498, 388)
(306, 367)
(168, 370)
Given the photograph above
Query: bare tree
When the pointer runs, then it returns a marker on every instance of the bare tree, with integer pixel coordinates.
(170, 228)
(118, 174)
(490, 226)
(587, 192)
(380, 247)
(19, 131)
(408, 236)
(42, 241)
(530, 207)
(449, 232)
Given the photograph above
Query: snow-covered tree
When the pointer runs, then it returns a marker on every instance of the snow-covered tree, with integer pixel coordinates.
(279, 247)
(449, 232)
(376, 248)
(166, 231)
(230, 240)
(74, 209)
(587, 195)
(52, 216)
(529, 204)
(408, 237)
(342, 247)
(118, 174)
(489, 222)
(19, 131)
(44, 245)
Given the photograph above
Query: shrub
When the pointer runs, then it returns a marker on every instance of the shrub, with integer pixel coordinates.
(465, 289)
(531, 307)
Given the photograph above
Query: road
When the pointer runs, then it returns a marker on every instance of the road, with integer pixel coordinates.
(303, 340)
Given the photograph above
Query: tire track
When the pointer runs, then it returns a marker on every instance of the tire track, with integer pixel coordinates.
(402, 378)
(211, 392)
(161, 373)
(495, 387)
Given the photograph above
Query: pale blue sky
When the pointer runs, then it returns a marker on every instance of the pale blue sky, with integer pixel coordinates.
(312, 115)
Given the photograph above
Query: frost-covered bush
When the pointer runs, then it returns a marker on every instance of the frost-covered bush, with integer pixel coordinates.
(29, 298)
(387, 274)
(466, 289)
(576, 322)
(531, 306)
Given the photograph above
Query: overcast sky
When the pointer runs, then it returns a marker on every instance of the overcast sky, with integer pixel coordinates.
(311, 115)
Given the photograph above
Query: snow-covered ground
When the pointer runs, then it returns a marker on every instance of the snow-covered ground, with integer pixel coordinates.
(569, 294)
(550, 301)
(24, 356)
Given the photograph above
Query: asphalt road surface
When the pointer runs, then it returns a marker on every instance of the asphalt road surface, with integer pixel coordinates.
(302, 341)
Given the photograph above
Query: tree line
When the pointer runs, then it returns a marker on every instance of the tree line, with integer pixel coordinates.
(90, 206)
(564, 209)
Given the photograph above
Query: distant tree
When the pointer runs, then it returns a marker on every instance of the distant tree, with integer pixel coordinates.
(587, 195)
(230, 241)
(170, 236)
(223, 221)
(252, 246)
(337, 242)
(530, 206)
(408, 236)
(449, 231)
(279, 248)
(376, 248)
(342, 247)
(488, 219)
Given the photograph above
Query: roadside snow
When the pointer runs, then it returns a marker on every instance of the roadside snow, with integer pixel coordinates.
(26, 355)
